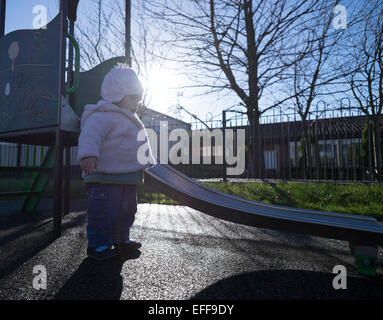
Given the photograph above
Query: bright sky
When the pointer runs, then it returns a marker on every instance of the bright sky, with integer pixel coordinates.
(19, 13)
(162, 82)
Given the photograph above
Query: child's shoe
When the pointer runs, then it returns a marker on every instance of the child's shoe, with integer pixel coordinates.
(101, 253)
(129, 245)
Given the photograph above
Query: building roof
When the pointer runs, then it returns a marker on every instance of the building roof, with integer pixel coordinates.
(147, 112)
(330, 128)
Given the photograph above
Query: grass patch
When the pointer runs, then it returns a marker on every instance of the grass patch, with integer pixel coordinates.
(145, 194)
(354, 199)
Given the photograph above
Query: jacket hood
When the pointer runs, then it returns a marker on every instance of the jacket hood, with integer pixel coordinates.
(105, 106)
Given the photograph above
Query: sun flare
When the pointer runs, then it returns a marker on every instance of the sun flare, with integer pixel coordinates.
(161, 90)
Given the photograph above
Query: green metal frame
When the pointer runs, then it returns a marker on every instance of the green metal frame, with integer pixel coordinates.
(76, 80)
(40, 182)
(366, 264)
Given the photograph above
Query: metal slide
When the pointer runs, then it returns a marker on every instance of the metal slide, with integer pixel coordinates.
(358, 230)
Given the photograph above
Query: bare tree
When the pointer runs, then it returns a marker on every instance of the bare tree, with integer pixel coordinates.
(366, 79)
(92, 33)
(319, 72)
(240, 46)
(101, 34)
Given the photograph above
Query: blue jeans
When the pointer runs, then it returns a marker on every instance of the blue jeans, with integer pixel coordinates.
(111, 212)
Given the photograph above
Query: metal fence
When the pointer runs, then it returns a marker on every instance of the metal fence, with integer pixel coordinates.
(340, 144)
(335, 145)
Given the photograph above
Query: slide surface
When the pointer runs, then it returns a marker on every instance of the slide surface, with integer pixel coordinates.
(357, 229)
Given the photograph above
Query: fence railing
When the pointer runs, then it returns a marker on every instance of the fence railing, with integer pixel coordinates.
(339, 144)
(326, 147)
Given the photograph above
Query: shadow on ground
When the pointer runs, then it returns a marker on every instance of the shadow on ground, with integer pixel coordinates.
(24, 234)
(35, 235)
(96, 280)
(290, 284)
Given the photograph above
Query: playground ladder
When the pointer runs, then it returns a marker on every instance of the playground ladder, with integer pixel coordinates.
(39, 182)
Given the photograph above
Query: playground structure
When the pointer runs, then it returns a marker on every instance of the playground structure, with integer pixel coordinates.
(41, 102)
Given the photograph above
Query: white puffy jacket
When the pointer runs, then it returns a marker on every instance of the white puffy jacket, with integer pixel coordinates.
(109, 133)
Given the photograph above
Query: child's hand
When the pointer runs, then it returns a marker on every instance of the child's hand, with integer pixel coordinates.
(88, 165)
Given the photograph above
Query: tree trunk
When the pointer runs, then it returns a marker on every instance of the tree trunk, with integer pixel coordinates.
(257, 165)
(376, 149)
(305, 148)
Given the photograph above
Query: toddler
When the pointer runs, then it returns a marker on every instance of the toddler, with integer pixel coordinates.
(107, 151)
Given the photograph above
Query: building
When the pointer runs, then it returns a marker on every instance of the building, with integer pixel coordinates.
(335, 150)
(13, 155)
